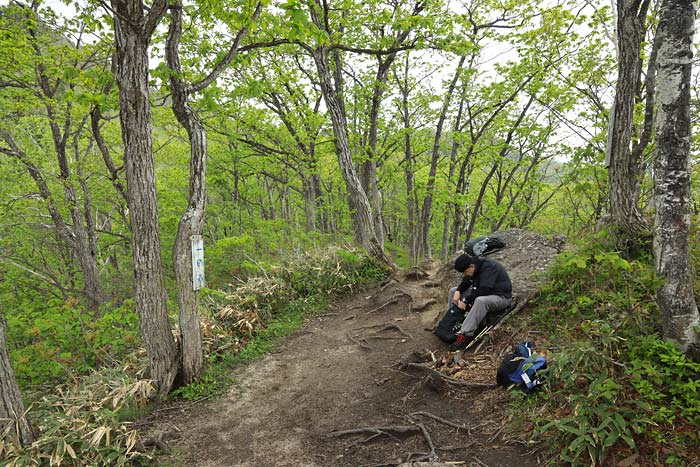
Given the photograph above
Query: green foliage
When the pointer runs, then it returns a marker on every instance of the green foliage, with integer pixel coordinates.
(58, 339)
(664, 377)
(591, 283)
(236, 258)
(615, 385)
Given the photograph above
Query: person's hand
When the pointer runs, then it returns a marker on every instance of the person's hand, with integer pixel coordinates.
(461, 305)
(455, 298)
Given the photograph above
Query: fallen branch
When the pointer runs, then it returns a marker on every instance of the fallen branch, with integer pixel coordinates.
(479, 339)
(498, 431)
(518, 308)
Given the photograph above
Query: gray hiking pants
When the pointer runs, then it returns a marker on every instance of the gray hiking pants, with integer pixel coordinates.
(482, 305)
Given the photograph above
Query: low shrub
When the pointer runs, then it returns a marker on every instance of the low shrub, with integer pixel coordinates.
(615, 386)
(49, 344)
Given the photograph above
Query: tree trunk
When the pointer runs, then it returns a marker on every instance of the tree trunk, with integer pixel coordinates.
(452, 206)
(624, 165)
(405, 113)
(87, 257)
(11, 406)
(363, 222)
(494, 167)
(426, 210)
(369, 167)
(672, 173)
(132, 32)
(191, 354)
(75, 237)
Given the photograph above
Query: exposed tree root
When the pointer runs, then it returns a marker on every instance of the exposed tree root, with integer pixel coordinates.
(423, 305)
(389, 327)
(439, 381)
(362, 340)
(394, 299)
(415, 273)
(362, 343)
(441, 420)
(480, 462)
(156, 442)
(432, 455)
(384, 305)
(392, 431)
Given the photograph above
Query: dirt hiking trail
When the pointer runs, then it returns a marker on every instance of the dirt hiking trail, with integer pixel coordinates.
(346, 370)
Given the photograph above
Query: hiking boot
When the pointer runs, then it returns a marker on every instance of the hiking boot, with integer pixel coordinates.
(461, 342)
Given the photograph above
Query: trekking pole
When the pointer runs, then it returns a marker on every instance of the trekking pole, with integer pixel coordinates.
(479, 336)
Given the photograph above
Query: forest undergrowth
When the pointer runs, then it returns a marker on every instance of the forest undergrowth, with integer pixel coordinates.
(87, 417)
(618, 394)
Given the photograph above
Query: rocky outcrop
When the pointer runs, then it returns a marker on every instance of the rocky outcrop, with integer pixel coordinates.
(526, 257)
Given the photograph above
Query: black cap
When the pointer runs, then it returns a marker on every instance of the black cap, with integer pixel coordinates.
(463, 261)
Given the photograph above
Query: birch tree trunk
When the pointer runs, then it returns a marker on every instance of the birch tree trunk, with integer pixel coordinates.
(132, 33)
(11, 406)
(672, 173)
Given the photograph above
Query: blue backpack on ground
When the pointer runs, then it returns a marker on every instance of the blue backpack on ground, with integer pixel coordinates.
(520, 368)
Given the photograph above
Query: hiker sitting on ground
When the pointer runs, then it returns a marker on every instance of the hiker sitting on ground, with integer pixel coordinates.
(485, 288)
